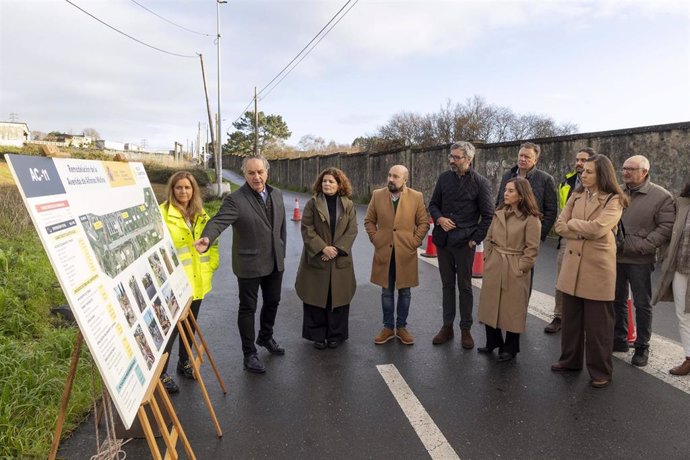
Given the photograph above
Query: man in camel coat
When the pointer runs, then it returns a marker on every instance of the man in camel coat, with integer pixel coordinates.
(396, 223)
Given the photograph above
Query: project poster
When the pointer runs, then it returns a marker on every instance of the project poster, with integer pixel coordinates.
(105, 237)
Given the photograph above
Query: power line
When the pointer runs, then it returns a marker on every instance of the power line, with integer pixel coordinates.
(169, 21)
(129, 36)
(300, 53)
(310, 50)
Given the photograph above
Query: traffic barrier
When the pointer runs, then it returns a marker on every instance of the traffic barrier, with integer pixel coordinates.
(296, 216)
(430, 246)
(478, 264)
(632, 331)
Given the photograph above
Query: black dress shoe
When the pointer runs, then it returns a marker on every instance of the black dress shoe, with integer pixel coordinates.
(272, 346)
(252, 363)
(185, 369)
(505, 356)
(333, 343)
(486, 349)
(320, 344)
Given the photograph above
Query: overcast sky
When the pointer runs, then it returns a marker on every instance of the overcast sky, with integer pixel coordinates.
(601, 65)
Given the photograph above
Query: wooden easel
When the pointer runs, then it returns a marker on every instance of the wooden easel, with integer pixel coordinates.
(156, 395)
(184, 326)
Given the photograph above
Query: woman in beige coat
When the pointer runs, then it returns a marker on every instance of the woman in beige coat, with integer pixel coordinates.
(674, 284)
(326, 277)
(588, 273)
(513, 244)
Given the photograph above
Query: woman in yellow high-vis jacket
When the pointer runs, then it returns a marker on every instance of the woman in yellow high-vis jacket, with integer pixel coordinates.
(185, 218)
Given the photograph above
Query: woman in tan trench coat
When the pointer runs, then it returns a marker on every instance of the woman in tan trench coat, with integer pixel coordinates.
(511, 251)
(588, 273)
(325, 277)
(674, 284)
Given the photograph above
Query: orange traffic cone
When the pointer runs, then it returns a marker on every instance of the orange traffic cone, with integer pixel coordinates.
(430, 246)
(478, 264)
(632, 332)
(296, 216)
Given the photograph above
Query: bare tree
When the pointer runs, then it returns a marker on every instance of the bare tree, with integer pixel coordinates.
(473, 120)
(90, 132)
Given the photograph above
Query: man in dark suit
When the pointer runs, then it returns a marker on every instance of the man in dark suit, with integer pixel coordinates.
(257, 215)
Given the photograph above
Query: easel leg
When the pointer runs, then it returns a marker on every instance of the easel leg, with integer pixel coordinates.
(66, 394)
(208, 353)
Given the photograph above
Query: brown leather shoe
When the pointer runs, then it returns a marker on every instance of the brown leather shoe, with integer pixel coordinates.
(683, 369)
(553, 327)
(384, 336)
(603, 383)
(444, 335)
(404, 336)
(467, 340)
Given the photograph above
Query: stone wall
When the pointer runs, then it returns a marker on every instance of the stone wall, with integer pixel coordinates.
(666, 146)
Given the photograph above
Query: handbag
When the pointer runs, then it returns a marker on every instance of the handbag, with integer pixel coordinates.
(618, 230)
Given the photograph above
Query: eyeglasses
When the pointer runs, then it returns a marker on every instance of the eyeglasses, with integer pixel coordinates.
(629, 169)
(456, 157)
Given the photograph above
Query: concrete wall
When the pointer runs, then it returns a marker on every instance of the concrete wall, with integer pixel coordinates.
(666, 146)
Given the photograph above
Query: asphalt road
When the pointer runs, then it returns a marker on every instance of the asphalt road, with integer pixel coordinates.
(336, 404)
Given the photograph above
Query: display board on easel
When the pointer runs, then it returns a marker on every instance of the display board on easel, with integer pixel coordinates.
(111, 251)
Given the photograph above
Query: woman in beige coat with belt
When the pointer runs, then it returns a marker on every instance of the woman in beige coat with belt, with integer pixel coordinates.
(588, 273)
(512, 247)
(674, 284)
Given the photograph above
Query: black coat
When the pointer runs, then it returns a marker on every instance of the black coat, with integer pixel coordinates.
(544, 189)
(467, 201)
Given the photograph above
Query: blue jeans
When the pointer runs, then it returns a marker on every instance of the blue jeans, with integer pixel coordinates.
(388, 301)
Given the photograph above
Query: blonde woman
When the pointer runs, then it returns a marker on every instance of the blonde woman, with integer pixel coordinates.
(184, 215)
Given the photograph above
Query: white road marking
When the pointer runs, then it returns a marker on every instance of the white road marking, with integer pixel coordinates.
(434, 442)
(663, 355)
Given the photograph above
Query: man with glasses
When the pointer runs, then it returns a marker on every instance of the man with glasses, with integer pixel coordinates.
(565, 189)
(648, 221)
(461, 208)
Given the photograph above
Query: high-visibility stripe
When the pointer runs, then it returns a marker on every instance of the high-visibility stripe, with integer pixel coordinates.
(187, 262)
(182, 250)
(204, 258)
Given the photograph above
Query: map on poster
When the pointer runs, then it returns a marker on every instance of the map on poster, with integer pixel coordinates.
(111, 251)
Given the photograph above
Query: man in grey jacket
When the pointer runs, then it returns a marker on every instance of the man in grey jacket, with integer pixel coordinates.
(648, 221)
(257, 215)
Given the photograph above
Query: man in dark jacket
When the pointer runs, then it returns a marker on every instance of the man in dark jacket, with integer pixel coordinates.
(648, 222)
(543, 184)
(257, 215)
(461, 208)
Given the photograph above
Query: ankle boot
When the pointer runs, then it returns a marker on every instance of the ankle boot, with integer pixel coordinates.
(683, 369)
(444, 335)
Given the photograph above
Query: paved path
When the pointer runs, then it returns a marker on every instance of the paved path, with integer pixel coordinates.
(423, 401)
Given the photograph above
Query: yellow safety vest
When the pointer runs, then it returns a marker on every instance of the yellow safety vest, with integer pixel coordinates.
(199, 267)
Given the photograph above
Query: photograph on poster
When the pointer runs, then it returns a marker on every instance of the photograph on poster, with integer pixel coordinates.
(159, 310)
(147, 282)
(125, 304)
(154, 330)
(121, 237)
(166, 260)
(171, 300)
(144, 346)
(136, 291)
(157, 267)
(173, 254)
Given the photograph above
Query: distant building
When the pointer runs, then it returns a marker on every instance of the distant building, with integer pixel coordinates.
(110, 145)
(75, 140)
(14, 134)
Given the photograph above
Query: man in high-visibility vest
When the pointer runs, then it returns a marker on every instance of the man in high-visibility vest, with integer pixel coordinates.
(565, 188)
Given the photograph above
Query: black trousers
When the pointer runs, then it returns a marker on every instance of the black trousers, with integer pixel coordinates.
(181, 352)
(455, 265)
(494, 339)
(249, 293)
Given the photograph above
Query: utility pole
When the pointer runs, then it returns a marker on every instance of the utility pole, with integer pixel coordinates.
(208, 106)
(256, 125)
(219, 153)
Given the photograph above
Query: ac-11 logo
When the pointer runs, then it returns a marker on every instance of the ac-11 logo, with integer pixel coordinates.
(39, 175)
